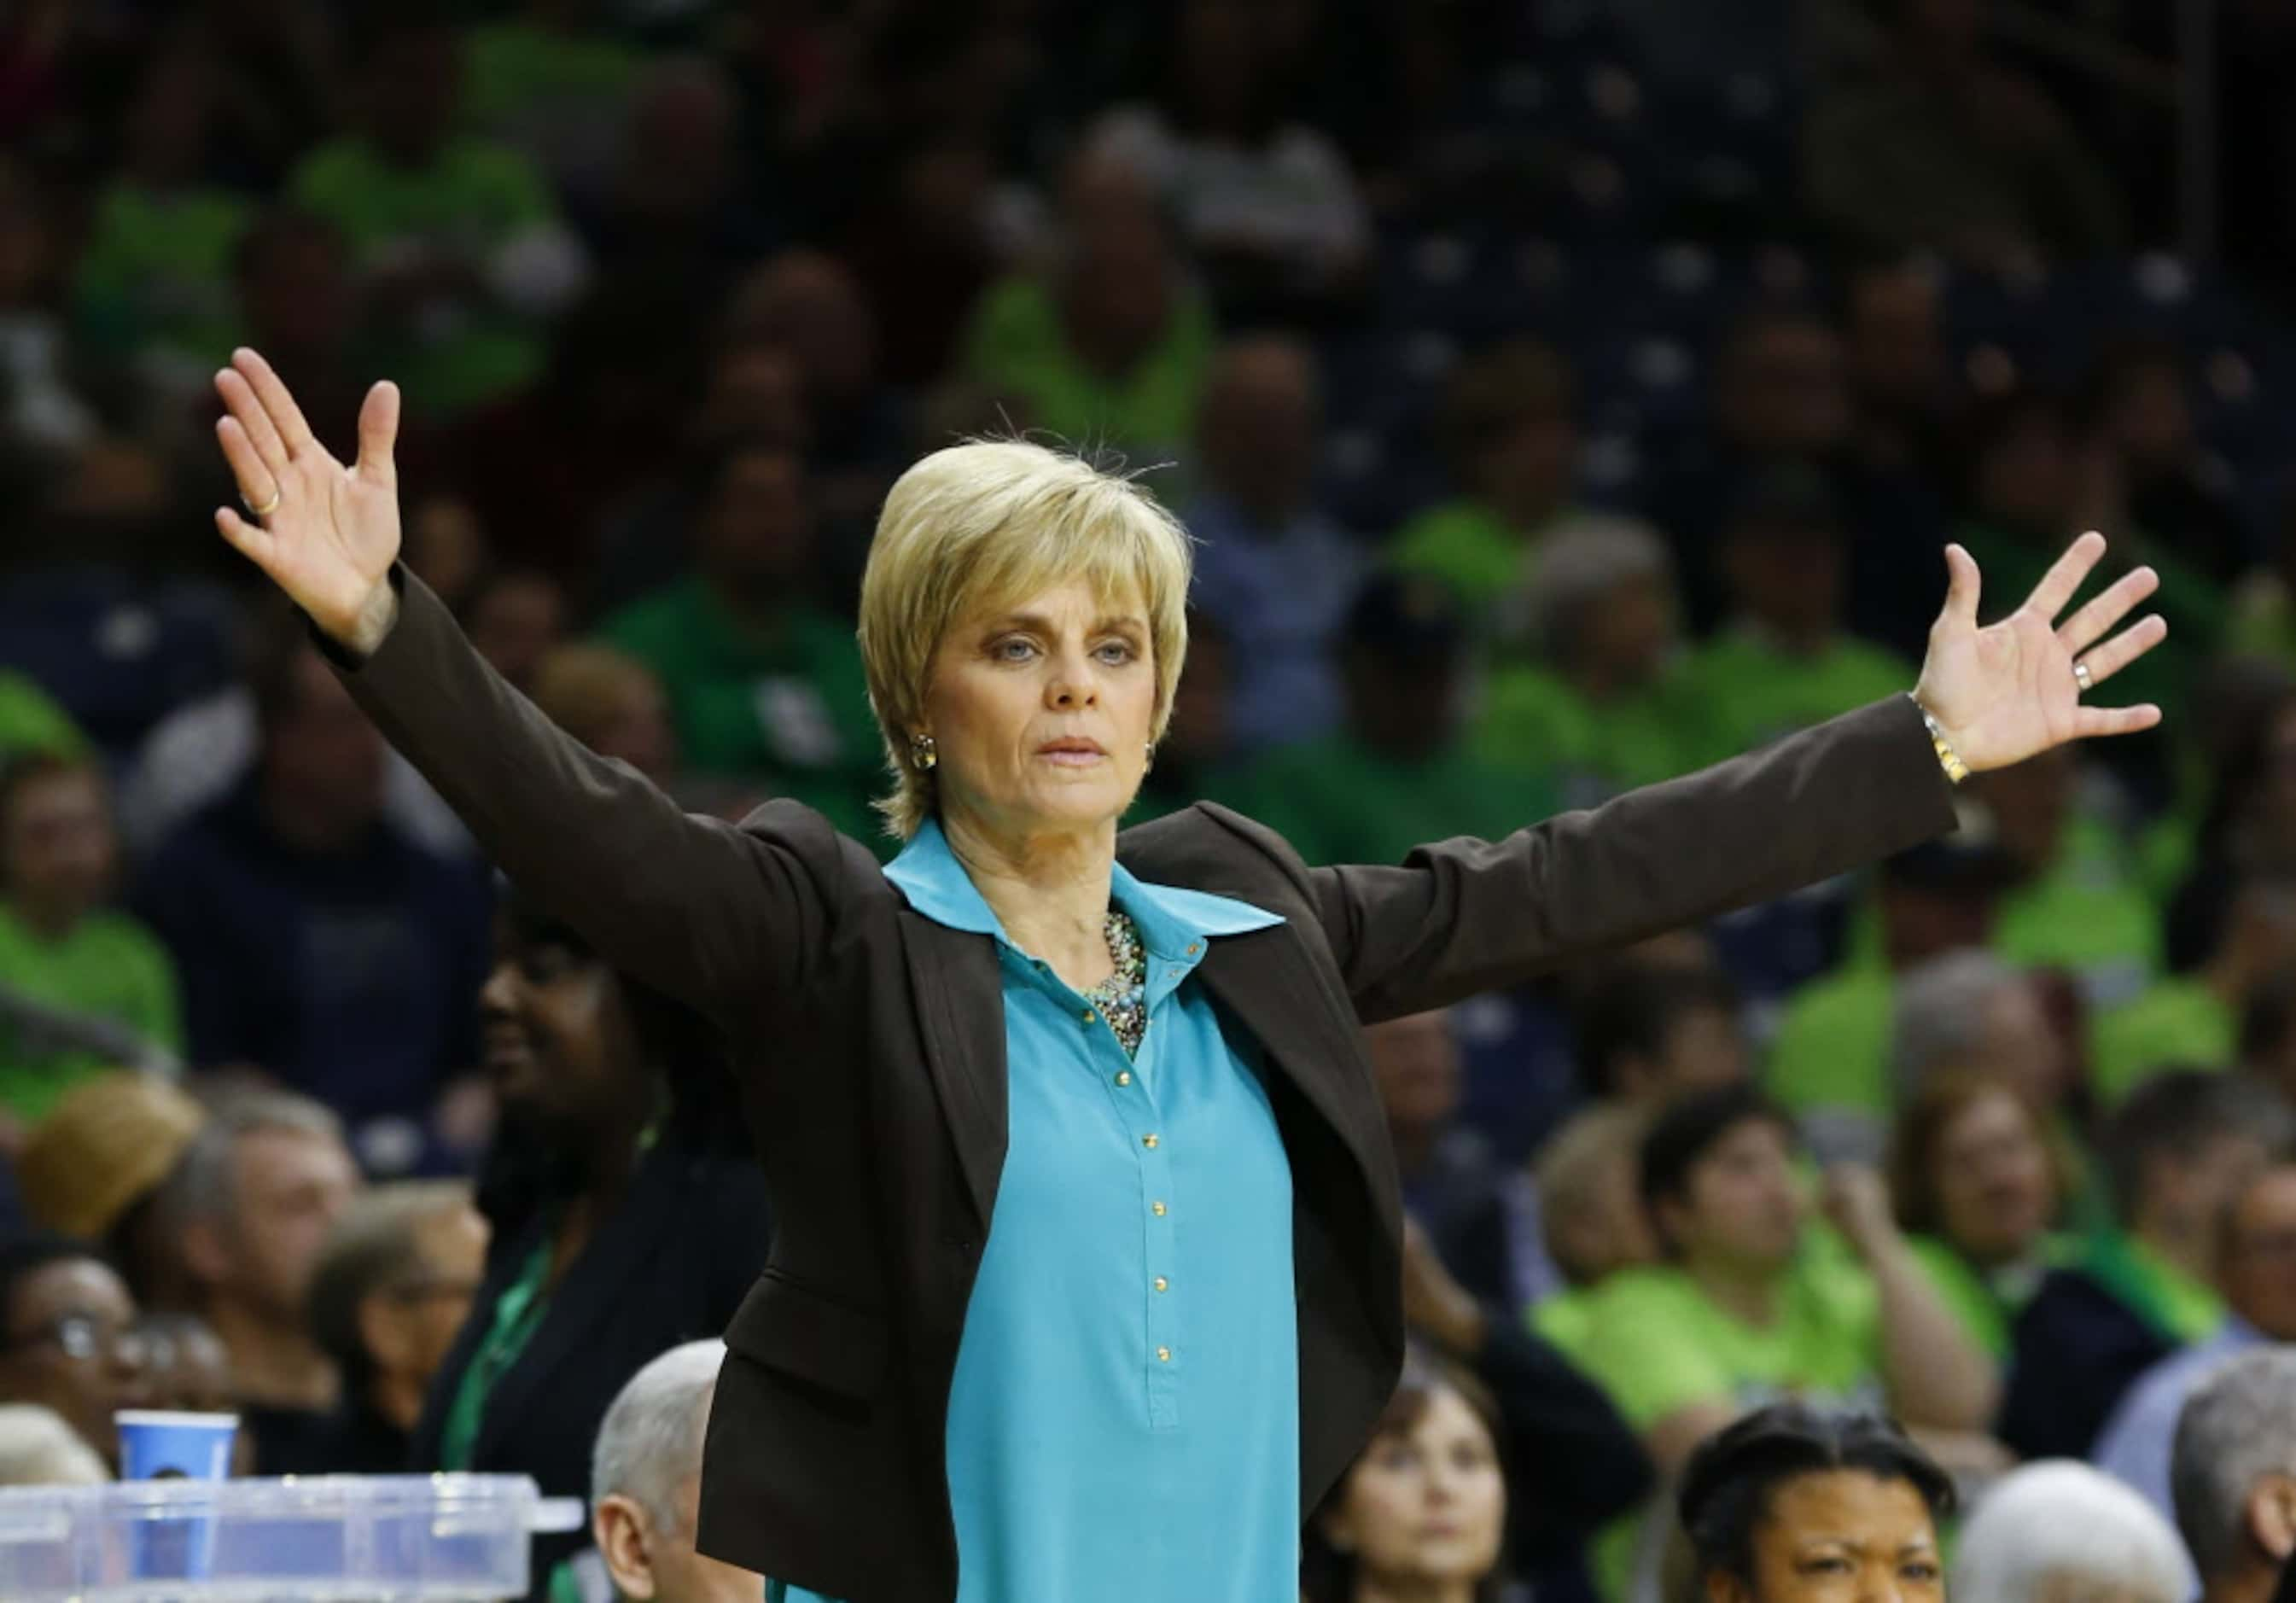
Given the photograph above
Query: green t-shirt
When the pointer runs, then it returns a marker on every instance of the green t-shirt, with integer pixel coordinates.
(157, 272)
(1016, 345)
(110, 967)
(1466, 544)
(1658, 1345)
(2180, 1309)
(1831, 1049)
(511, 68)
(474, 198)
(1756, 690)
(1595, 750)
(30, 720)
(2179, 1021)
(790, 706)
(1336, 801)
(1567, 1320)
(2087, 913)
(1986, 1303)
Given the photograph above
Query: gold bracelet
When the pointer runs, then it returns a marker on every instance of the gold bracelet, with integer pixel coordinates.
(1949, 760)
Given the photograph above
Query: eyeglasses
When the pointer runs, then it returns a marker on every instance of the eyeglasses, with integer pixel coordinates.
(81, 1337)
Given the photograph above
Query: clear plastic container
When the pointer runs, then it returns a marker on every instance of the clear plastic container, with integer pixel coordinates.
(308, 1539)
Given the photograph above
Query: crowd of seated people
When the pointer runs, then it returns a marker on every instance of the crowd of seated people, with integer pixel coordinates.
(1563, 396)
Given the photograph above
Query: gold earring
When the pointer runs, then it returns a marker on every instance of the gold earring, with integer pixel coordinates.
(922, 753)
(1151, 758)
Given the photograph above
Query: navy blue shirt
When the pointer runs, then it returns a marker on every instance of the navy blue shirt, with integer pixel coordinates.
(354, 977)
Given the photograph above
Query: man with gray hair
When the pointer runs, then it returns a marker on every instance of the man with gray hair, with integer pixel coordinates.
(645, 1484)
(245, 1213)
(2233, 1476)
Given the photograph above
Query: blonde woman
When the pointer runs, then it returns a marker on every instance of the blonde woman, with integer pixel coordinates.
(1087, 1278)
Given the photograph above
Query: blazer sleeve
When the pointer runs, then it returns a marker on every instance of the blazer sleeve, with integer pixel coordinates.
(1465, 915)
(703, 911)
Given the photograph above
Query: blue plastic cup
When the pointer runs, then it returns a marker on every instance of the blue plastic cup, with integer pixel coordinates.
(155, 1445)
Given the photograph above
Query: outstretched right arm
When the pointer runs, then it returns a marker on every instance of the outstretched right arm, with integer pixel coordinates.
(696, 908)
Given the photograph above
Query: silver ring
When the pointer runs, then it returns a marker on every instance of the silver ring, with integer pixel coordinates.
(2081, 678)
(266, 509)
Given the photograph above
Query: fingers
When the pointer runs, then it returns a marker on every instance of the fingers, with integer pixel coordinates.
(2084, 627)
(2064, 576)
(2091, 722)
(1963, 586)
(257, 482)
(251, 540)
(377, 432)
(2125, 648)
(240, 402)
(285, 415)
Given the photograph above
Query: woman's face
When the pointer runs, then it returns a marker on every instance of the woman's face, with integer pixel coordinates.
(71, 1344)
(57, 850)
(1990, 1172)
(1741, 1206)
(557, 1036)
(1041, 715)
(1840, 1536)
(1425, 1505)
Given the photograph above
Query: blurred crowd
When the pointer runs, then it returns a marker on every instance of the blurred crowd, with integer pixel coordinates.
(1563, 395)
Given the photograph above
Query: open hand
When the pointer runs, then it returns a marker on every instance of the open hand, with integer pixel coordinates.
(326, 534)
(2005, 693)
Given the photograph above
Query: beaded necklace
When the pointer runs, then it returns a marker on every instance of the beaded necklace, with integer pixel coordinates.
(1122, 998)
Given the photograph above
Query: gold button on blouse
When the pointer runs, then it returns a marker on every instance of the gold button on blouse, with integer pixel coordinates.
(1124, 1076)
(1089, 1015)
(1148, 1142)
(1162, 1284)
(1163, 1355)
(1159, 1209)
(1194, 946)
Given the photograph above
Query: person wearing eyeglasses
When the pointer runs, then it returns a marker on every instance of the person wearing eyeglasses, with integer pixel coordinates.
(394, 1283)
(67, 1340)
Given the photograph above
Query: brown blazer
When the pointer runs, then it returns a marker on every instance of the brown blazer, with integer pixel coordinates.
(870, 1042)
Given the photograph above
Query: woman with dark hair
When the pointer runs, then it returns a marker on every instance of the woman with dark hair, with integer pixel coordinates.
(1791, 1504)
(1979, 1180)
(1423, 1512)
(624, 1222)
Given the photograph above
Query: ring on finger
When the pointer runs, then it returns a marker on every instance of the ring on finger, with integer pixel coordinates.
(2082, 677)
(266, 509)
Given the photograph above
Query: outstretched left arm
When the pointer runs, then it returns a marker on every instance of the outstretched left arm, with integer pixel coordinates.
(1465, 915)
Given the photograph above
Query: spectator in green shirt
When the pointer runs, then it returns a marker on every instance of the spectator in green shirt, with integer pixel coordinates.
(154, 284)
(764, 680)
(89, 973)
(1511, 432)
(1110, 345)
(2177, 1155)
(1832, 1047)
(1783, 660)
(551, 81)
(1394, 773)
(31, 721)
(1743, 1310)
(1606, 702)
(459, 238)
(1978, 1182)
(2192, 1017)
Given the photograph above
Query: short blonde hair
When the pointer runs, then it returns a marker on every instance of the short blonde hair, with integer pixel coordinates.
(986, 525)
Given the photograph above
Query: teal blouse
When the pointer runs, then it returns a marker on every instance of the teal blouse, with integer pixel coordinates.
(1124, 1420)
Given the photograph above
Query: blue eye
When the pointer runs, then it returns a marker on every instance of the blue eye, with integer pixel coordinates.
(1123, 651)
(1011, 649)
